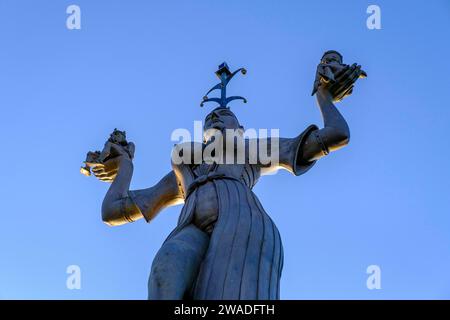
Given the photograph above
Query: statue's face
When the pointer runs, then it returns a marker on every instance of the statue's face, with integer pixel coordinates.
(220, 119)
(331, 57)
(117, 136)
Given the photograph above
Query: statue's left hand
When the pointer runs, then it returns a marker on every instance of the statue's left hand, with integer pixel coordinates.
(344, 82)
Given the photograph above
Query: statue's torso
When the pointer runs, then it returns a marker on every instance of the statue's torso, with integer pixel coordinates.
(206, 205)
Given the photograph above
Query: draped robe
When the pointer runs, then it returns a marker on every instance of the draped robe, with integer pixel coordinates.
(244, 259)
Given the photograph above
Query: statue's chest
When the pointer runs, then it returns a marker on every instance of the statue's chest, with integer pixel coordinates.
(229, 170)
(203, 169)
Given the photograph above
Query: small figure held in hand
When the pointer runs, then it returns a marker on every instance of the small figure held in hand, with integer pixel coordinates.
(339, 76)
(115, 147)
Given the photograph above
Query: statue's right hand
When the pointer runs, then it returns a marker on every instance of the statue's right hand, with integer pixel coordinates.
(107, 170)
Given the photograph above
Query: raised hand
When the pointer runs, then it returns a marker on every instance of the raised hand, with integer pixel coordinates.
(344, 82)
(334, 78)
(106, 170)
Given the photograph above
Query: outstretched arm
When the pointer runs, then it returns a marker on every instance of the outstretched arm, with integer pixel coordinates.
(122, 205)
(118, 207)
(335, 134)
(298, 155)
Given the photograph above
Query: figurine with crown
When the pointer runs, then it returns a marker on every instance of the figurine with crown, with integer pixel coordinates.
(225, 245)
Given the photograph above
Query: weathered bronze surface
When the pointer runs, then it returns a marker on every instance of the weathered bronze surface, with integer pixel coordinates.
(225, 245)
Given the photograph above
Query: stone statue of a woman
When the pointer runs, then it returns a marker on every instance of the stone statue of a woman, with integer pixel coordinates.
(225, 246)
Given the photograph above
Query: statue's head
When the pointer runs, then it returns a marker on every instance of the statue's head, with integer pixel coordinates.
(221, 118)
(332, 56)
(119, 137)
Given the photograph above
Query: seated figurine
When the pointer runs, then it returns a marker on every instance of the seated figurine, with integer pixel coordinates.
(330, 65)
(94, 158)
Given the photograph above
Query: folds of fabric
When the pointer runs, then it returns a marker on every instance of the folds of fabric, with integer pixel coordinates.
(245, 256)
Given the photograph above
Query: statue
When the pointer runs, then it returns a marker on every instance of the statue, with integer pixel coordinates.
(225, 246)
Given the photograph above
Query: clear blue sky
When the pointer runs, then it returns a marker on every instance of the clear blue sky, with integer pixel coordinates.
(143, 66)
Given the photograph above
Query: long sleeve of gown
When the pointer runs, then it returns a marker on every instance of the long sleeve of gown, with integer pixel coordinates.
(289, 154)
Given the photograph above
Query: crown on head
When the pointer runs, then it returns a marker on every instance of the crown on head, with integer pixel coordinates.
(225, 75)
